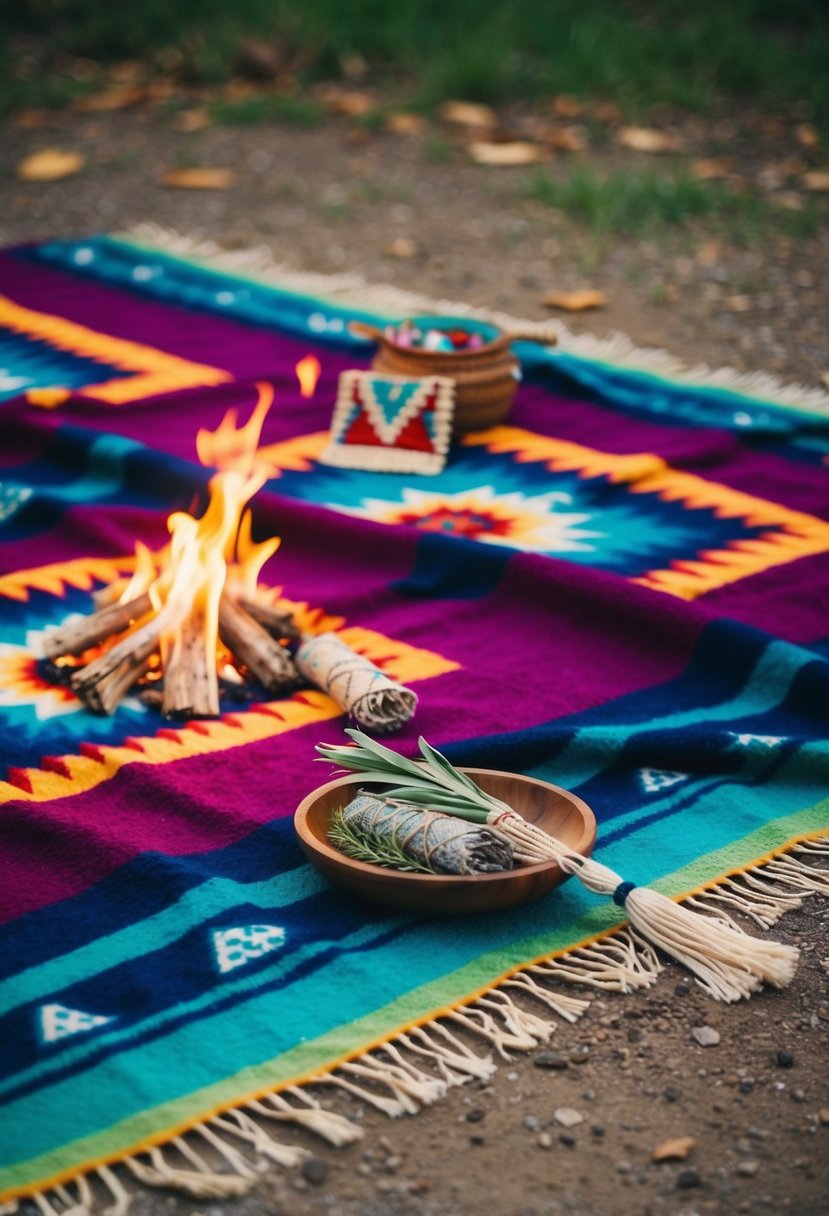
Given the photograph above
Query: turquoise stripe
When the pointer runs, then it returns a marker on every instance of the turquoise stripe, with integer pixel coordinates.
(767, 686)
(114, 1037)
(214, 896)
(198, 1055)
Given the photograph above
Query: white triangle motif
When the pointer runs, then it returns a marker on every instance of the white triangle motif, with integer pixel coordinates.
(58, 1022)
(656, 779)
(235, 947)
(768, 740)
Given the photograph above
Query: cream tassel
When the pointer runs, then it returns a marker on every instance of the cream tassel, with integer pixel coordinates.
(728, 963)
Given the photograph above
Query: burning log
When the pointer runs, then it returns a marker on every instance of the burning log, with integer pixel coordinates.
(278, 624)
(191, 687)
(81, 635)
(252, 645)
(102, 683)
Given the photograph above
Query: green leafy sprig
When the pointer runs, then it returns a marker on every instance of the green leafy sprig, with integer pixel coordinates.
(365, 844)
(431, 782)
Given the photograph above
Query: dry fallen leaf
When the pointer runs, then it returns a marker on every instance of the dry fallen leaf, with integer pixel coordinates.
(705, 170)
(606, 111)
(507, 155)
(739, 303)
(817, 181)
(404, 123)
(468, 114)
(567, 107)
(647, 139)
(709, 253)
(199, 179)
(29, 119)
(567, 139)
(675, 1149)
(189, 121)
(807, 136)
(49, 165)
(788, 200)
(402, 247)
(118, 97)
(347, 102)
(575, 301)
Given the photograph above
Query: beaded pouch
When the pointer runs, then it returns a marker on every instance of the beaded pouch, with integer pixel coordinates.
(391, 424)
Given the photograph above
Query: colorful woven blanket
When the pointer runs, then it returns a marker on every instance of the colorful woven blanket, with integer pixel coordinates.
(623, 590)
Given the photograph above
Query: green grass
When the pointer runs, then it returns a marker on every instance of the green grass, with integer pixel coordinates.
(630, 203)
(270, 107)
(638, 52)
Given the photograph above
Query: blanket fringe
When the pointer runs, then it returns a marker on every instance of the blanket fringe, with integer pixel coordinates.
(353, 290)
(208, 1161)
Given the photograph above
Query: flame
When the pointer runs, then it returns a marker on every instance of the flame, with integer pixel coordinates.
(186, 579)
(308, 373)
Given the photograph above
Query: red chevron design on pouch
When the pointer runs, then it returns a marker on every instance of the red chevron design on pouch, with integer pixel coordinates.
(393, 424)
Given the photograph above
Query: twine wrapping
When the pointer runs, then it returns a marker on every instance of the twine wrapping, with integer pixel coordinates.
(365, 693)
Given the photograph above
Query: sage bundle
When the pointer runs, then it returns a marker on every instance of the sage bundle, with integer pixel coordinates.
(361, 689)
(728, 963)
(386, 832)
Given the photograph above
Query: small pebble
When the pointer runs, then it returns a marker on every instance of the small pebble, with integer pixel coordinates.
(676, 1148)
(580, 1057)
(685, 1179)
(706, 1036)
(567, 1117)
(671, 1094)
(477, 1139)
(823, 1116)
(475, 1115)
(567, 1139)
(549, 1059)
(623, 1167)
(315, 1170)
(747, 1169)
(597, 1129)
(785, 1059)
(545, 1140)
(797, 1095)
(531, 1123)
(746, 1085)
(682, 989)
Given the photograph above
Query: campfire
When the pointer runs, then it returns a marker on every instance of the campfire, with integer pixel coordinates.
(192, 616)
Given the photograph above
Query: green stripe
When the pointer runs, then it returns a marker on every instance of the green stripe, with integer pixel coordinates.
(421, 1003)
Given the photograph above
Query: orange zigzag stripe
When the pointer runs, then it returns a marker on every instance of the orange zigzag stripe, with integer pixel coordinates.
(157, 371)
(72, 774)
(792, 534)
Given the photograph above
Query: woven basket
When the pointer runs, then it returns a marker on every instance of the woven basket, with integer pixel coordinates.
(486, 377)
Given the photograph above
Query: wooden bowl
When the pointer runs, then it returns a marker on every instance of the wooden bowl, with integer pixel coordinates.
(486, 377)
(555, 810)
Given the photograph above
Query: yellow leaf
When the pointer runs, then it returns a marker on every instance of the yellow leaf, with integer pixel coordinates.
(704, 170)
(566, 106)
(189, 121)
(508, 155)
(646, 139)
(567, 139)
(403, 123)
(118, 97)
(468, 114)
(817, 181)
(199, 179)
(49, 165)
(807, 136)
(348, 102)
(675, 1149)
(575, 301)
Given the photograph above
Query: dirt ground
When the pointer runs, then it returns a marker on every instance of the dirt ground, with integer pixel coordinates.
(336, 199)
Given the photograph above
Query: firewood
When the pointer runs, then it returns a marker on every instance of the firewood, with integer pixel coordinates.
(270, 663)
(79, 636)
(278, 624)
(102, 683)
(191, 687)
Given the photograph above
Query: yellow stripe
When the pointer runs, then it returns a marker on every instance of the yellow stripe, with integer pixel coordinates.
(791, 535)
(161, 1138)
(156, 371)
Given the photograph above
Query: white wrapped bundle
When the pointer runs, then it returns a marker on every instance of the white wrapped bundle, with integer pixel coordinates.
(365, 692)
